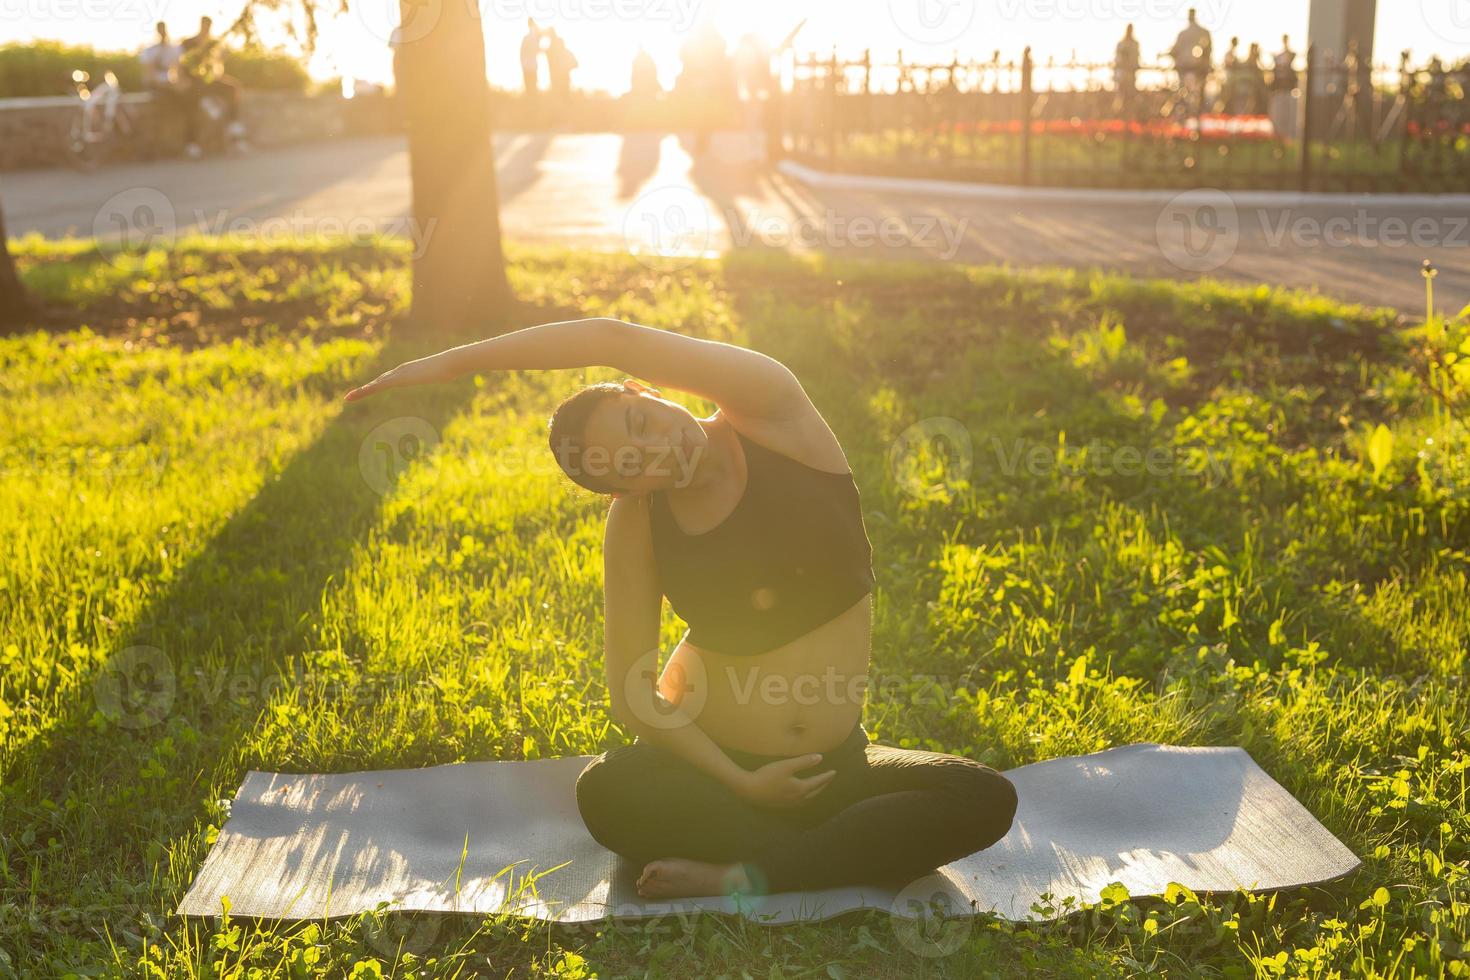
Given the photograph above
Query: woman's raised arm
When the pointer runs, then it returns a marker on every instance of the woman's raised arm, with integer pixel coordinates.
(548, 347)
(741, 381)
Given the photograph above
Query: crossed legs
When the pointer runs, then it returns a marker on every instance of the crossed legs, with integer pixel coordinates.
(889, 815)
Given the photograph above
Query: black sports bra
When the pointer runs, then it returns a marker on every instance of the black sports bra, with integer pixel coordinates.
(792, 555)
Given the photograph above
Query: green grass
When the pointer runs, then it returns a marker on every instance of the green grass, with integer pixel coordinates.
(43, 68)
(181, 476)
(1432, 166)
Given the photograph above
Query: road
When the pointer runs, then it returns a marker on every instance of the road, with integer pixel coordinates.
(647, 193)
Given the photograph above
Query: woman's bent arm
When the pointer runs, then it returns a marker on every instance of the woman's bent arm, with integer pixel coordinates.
(676, 732)
(634, 601)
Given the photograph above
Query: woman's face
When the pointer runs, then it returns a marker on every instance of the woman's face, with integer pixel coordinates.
(640, 442)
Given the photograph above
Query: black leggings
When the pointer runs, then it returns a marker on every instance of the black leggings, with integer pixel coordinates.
(889, 816)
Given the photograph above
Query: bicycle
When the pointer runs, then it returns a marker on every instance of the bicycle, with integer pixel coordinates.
(100, 123)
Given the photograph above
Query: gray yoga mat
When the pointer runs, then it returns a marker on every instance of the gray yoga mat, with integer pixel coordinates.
(474, 837)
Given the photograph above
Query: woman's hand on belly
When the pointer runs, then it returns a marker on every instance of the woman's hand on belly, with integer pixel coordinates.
(776, 783)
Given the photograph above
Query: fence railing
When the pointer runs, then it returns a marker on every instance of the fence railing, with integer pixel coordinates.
(1328, 125)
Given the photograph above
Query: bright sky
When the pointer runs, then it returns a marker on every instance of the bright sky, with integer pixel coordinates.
(605, 34)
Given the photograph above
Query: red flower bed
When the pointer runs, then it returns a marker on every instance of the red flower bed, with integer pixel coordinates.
(1441, 127)
(1209, 126)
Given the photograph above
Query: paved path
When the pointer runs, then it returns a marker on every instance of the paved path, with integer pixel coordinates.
(647, 193)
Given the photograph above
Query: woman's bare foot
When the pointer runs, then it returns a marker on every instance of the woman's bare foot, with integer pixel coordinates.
(682, 878)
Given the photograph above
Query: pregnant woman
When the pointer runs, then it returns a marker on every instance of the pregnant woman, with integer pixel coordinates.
(750, 769)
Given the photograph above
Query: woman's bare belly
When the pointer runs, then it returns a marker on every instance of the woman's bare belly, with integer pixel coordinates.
(804, 696)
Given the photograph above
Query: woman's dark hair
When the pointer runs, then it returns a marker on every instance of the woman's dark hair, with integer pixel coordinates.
(568, 431)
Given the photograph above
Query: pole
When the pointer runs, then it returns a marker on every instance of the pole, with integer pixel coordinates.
(1308, 81)
(832, 111)
(1026, 117)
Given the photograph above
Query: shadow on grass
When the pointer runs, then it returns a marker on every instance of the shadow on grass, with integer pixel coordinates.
(186, 683)
(251, 599)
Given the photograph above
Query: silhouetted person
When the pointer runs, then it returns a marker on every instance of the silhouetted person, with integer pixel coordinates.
(1245, 81)
(161, 79)
(1283, 67)
(1125, 71)
(531, 58)
(202, 67)
(1256, 73)
(643, 80)
(1284, 81)
(1233, 90)
(1193, 55)
(1232, 56)
(160, 61)
(559, 64)
(1437, 93)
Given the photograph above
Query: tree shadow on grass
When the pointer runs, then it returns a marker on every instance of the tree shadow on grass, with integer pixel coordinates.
(129, 756)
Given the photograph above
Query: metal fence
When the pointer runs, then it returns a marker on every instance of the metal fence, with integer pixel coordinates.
(1335, 126)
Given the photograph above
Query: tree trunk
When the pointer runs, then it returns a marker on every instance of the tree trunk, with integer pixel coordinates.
(15, 306)
(458, 268)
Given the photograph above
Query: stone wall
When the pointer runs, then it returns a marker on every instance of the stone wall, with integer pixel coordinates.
(33, 132)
